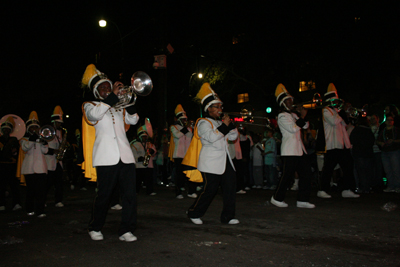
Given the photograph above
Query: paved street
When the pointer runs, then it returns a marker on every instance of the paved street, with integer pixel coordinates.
(339, 232)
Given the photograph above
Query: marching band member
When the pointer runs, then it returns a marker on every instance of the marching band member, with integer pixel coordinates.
(293, 153)
(112, 155)
(215, 163)
(181, 136)
(9, 147)
(34, 167)
(337, 148)
(140, 148)
(55, 168)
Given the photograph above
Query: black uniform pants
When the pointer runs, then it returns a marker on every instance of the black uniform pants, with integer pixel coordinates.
(291, 164)
(240, 173)
(181, 179)
(344, 159)
(211, 183)
(55, 178)
(144, 175)
(107, 179)
(7, 178)
(35, 192)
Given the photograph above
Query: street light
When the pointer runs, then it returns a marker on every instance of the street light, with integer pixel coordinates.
(103, 24)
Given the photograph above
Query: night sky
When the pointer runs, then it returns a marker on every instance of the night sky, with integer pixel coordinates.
(48, 44)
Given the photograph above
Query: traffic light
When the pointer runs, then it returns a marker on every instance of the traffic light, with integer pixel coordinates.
(268, 110)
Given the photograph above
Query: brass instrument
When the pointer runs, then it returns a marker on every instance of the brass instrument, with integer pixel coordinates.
(63, 146)
(356, 112)
(149, 130)
(19, 127)
(317, 103)
(248, 118)
(47, 133)
(141, 84)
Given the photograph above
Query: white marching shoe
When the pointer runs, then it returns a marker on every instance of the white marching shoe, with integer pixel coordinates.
(280, 204)
(323, 194)
(96, 235)
(349, 194)
(306, 205)
(196, 220)
(128, 237)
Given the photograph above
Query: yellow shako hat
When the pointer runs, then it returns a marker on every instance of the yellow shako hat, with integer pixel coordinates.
(331, 94)
(92, 78)
(206, 96)
(281, 94)
(9, 123)
(57, 115)
(142, 131)
(33, 120)
(180, 113)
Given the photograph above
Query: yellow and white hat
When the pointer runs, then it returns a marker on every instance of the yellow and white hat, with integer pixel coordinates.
(331, 93)
(206, 96)
(180, 113)
(9, 123)
(57, 115)
(33, 120)
(93, 78)
(142, 131)
(281, 94)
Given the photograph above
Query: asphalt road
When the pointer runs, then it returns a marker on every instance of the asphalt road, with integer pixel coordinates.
(338, 232)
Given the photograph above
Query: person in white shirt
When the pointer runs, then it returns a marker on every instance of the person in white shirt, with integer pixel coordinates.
(55, 167)
(112, 154)
(293, 152)
(338, 147)
(34, 167)
(258, 162)
(181, 136)
(144, 173)
(215, 163)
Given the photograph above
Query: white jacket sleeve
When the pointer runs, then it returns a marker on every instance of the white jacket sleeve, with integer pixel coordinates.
(207, 132)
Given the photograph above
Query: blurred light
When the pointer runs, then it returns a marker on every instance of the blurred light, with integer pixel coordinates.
(102, 23)
(66, 116)
(200, 75)
(269, 109)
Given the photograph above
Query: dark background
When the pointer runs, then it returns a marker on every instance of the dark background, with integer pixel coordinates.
(48, 44)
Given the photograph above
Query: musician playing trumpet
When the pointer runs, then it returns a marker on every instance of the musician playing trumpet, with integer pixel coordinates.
(34, 167)
(293, 152)
(144, 152)
(112, 156)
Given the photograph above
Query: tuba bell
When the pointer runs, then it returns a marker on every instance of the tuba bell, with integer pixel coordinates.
(141, 84)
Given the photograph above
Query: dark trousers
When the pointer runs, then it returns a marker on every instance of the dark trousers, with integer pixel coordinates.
(240, 172)
(365, 172)
(7, 178)
(377, 180)
(145, 175)
(55, 178)
(35, 192)
(227, 180)
(181, 179)
(107, 179)
(344, 159)
(292, 164)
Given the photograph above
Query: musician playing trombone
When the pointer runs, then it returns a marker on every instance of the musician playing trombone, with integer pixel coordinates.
(112, 155)
(293, 152)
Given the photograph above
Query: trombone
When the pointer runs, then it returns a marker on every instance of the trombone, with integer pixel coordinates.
(247, 117)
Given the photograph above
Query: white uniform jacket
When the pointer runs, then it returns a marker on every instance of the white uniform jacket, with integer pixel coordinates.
(336, 136)
(214, 149)
(182, 141)
(51, 160)
(138, 151)
(292, 145)
(34, 160)
(111, 143)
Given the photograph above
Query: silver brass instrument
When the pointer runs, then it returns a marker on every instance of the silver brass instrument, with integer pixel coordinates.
(316, 102)
(248, 118)
(149, 130)
(356, 112)
(63, 146)
(47, 133)
(19, 127)
(141, 84)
